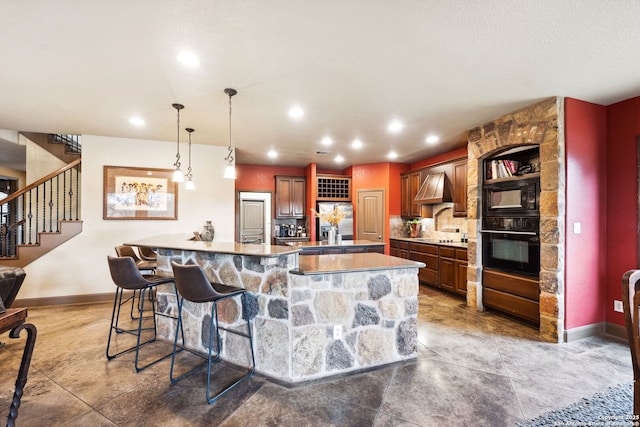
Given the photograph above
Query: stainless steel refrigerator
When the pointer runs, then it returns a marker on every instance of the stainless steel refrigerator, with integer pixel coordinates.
(346, 225)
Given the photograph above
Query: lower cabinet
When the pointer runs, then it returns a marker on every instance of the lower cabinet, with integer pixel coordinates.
(445, 266)
(518, 296)
(336, 250)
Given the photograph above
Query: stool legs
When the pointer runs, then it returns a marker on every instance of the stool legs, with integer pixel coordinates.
(115, 316)
(213, 356)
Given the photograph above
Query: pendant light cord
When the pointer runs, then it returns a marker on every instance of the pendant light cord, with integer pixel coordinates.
(189, 174)
(230, 92)
(178, 107)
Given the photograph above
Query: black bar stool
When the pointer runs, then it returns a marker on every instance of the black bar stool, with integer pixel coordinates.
(192, 284)
(126, 276)
(145, 266)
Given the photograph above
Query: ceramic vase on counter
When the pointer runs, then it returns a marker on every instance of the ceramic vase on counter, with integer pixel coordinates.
(209, 232)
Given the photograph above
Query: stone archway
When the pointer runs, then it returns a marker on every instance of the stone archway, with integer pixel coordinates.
(540, 124)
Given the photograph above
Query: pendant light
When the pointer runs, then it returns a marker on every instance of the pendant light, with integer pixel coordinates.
(189, 185)
(230, 169)
(177, 174)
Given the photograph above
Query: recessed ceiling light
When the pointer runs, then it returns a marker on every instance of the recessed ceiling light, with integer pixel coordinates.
(136, 121)
(432, 139)
(272, 154)
(339, 159)
(395, 126)
(296, 112)
(357, 144)
(392, 155)
(188, 59)
(326, 141)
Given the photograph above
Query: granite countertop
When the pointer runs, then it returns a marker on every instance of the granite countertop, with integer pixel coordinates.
(183, 242)
(345, 263)
(325, 244)
(455, 244)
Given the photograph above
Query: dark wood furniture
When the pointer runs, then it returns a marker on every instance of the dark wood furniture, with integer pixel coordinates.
(445, 266)
(455, 175)
(290, 196)
(337, 249)
(516, 295)
(14, 320)
(333, 188)
(630, 305)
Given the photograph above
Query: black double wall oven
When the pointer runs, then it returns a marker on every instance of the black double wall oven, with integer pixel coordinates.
(511, 226)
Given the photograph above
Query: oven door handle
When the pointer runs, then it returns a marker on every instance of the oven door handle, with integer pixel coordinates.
(525, 233)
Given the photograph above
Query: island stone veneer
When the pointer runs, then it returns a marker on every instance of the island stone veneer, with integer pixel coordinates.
(305, 326)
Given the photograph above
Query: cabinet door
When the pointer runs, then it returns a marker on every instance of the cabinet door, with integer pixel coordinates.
(298, 187)
(460, 189)
(415, 179)
(405, 210)
(447, 272)
(283, 197)
(461, 278)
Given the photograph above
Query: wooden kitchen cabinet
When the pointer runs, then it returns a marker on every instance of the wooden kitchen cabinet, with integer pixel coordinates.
(399, 248)
(452, 268)
(410, 184)
(460, 188)
(290, 196)
(429, 255)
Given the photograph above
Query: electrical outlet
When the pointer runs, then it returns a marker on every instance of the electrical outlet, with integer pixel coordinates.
(617, 306)
(337, 332)
(577, 228)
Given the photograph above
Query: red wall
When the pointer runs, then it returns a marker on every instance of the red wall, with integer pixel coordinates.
(441, 158)
(585, 268)
(261, 178)
(623, 128)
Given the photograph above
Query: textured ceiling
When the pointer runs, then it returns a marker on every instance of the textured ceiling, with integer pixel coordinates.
(442, 67)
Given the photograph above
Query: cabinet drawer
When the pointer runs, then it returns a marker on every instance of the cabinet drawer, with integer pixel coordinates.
(421, 247)
(431, 261)
(428, 276)
(403, 244)
(461, 254)
(447, 252)
(520, 307)
(509, 283)
(332, 251)
(377, 249)
(354, 250)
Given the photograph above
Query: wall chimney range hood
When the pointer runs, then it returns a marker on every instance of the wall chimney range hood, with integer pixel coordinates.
(434, 189)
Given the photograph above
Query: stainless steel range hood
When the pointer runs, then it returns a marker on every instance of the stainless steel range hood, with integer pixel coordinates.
(434, 189)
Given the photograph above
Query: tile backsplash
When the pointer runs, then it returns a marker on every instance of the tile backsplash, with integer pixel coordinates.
(443, 225)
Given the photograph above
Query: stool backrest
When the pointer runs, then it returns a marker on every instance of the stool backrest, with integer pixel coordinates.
(127, 251)
(192, 282)
(147, 253)
(124, 272)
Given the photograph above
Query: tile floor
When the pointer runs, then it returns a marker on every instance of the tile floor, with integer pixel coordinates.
(472, 369)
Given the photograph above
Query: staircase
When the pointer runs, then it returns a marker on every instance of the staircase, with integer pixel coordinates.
(41, 216)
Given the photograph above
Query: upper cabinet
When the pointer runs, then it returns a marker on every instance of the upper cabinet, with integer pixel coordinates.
(445, 182)
(460, 188)
(290, 196)
(410, 185)
(333, 188)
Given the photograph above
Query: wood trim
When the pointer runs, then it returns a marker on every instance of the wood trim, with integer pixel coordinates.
(64, 300)
(41, 181)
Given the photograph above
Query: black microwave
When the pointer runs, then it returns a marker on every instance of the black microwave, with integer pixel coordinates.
(513, 198)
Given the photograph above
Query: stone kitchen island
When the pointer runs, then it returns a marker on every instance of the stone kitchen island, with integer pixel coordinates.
(313, 316)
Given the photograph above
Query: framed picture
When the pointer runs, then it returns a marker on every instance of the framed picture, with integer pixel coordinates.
(139, 193)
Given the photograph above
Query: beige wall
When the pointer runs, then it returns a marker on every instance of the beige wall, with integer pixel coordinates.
(80, 265)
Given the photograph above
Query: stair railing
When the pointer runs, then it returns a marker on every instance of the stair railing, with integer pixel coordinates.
(72, 143)
(39, 207)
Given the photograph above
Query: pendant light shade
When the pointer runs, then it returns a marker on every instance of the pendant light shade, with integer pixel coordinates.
(178, 176)
(230, 169)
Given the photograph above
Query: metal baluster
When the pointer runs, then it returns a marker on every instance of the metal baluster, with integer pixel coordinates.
(30, 214)
(57, 203)
(77, 192)
(64, 195)
(50, 205)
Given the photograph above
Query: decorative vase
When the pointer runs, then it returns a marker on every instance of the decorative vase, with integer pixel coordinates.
(208, 232)
(414, 230)
(331, 236)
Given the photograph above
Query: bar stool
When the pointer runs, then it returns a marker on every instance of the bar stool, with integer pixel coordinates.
(140, 264)
(126, 276)
(192, 284)
(147, 254)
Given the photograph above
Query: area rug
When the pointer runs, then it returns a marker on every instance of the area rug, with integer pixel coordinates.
(612, 406)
